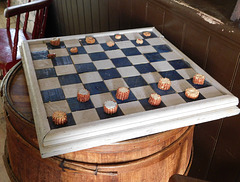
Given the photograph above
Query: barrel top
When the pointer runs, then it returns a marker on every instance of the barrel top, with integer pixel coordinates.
(16, 94)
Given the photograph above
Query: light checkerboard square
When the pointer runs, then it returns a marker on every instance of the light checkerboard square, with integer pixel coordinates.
(65, 69)
(125, 44)
(139, 59)
(162, 66)
(85, 116)
(49, 83)
(104, 64)
(114, 84)
(99, 99)
(172, 99)
(131, 107)
(90, 77)
(59, 52)
(115, 54)
(93, 48)
(133, 36)
(79, 59)
(72, 43)
(128, 71)
(72, 90)
(43, 64)
(142, 92)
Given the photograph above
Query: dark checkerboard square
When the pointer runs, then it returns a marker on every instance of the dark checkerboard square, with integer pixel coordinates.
(154, 57)
(96, 88)
(162, 92)
(52, 95)
(107, 48)
(103, 115)
(69, 79)
(145, 68)
(179, 64)
(75, 105)
(182, 94)
(121, 62)
(172, 75)
(147, 106)
(46, 73)
(39, 55)
(162, 48)
(145, 43)
(62, 45)
(70, 122)
(81, 50)
(83, 42)
(136, 81)
(98, 56)
(85, 67)
(109, 74)
(123, 38)
(130, 98)
(153, 35)
(131, 51)
(206, 84)
(64, 60)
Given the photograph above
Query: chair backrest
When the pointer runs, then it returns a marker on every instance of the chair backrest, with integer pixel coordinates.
(41, 9)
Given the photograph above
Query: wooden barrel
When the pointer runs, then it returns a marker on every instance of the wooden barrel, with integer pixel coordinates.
(150, 158)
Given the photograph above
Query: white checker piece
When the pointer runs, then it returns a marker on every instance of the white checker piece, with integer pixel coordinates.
(85, 116)
(142, 92)
(99, 99)
(104, 64)
(162, 66)
(128, 71)
(65, 69)
(93, 48)
(90, 77)
(125, 44)
(72, 90)
(42, 64)
(131, 107)
(152, 77)
(114, 84)
(172, 99)
(81, 58)
(115, 54)
(139, 59)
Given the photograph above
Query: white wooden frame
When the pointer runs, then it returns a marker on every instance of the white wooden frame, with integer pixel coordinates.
(74, 138)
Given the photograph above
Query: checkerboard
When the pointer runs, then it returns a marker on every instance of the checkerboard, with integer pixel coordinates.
(102, 70)
(53, 85)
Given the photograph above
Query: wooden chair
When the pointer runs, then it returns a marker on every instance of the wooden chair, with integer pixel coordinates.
(11, 38)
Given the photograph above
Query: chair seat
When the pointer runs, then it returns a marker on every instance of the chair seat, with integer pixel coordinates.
(6, 53)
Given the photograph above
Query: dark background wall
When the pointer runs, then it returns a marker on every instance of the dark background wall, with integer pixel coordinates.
(214, 47)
